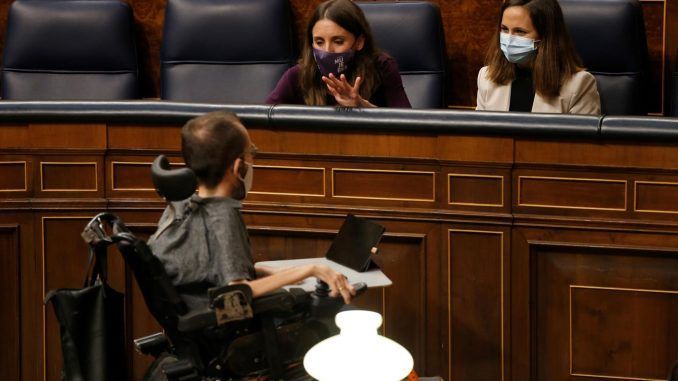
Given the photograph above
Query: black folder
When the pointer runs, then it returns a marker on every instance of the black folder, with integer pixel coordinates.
(352, 247)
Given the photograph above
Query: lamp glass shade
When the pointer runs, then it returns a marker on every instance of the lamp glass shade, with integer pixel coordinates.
(358, 352)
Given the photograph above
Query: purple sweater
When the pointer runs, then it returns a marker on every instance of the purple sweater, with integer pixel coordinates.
(389, 94)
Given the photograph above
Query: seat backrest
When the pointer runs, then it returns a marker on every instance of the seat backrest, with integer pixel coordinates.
(609, 36)
(225, 51)
(412, 33)
(69, 50)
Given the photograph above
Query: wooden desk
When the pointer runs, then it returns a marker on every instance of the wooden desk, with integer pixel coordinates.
(512, 257)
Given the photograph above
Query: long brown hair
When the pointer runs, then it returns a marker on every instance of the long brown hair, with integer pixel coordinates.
(350, 17)
(556, 60)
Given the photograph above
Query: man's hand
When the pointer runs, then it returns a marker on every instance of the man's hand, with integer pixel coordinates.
(337, 281)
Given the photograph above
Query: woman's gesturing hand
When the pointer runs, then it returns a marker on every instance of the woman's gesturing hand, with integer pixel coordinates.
(344, 93)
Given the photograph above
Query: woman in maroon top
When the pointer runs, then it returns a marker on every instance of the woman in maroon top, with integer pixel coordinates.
(340, 64)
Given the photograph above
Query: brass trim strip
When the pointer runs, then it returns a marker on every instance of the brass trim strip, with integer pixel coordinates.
(433, 188)
(449, 293)
(635, 197)
(114, 163)
(25, 163)
(44, 316)
(449, 190)
(96, 176)
(293, 194)
(570, 316)
(625, 182)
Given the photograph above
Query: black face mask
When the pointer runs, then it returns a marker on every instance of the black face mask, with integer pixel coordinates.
(334, 63)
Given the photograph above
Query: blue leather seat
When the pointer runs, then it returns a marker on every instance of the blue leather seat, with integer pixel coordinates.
(412, 33)
(225, 51)
(69, 50)
(609, 35)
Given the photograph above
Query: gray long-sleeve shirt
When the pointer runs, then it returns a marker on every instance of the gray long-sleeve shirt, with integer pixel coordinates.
(203, 241)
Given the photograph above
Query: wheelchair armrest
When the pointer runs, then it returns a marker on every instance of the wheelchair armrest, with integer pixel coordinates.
(229, 304)
(279, 301)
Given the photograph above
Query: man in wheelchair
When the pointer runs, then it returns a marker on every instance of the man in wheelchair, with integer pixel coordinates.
(203, 240)
(223, 319)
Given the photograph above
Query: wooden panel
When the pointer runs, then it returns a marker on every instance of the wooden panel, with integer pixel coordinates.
(613, 310)
(476, 304)
(383, 184)
(69, 176)
(64, 258)
(13, 176)
(475, 190)
(571, 193)
(595, 154)
(68, 136)
(401, 257)
(481, 149)
(340, 143)
(129, 176)
(10, 313)
(288, 181)
(151, 137)
(656, 197)
(14, 136)
(614, 332)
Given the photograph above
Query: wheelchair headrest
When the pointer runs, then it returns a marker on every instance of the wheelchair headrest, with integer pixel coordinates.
(172, 184)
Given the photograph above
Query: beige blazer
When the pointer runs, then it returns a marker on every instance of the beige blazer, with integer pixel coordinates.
(579, 95)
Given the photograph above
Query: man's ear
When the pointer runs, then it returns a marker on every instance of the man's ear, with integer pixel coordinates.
(360, 43)
(239, 169)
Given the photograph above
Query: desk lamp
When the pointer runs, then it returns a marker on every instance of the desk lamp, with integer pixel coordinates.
(358, 352)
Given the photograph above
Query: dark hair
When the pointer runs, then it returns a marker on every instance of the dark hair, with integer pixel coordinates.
(350, 17)
(211, 143)
(556, 60)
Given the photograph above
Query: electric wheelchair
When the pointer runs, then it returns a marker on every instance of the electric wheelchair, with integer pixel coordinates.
(237, 337)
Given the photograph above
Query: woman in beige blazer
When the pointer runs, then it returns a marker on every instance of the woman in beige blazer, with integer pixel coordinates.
(532, 65)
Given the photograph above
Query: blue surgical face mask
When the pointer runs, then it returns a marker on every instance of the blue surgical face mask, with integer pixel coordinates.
(335, 63)
(517, 49)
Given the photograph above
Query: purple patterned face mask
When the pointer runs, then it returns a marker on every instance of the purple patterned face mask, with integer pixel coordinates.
(335, 63)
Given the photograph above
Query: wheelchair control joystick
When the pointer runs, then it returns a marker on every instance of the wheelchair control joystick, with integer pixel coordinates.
(322, 290)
